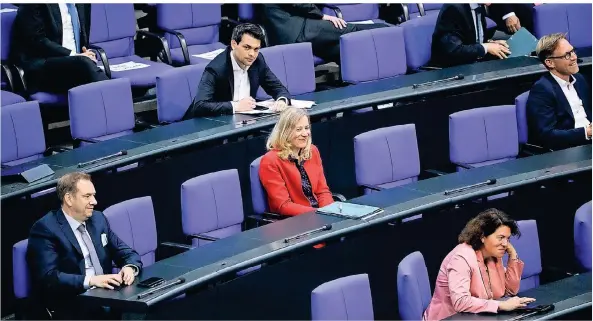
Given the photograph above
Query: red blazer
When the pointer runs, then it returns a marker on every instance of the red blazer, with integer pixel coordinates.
(282, 181)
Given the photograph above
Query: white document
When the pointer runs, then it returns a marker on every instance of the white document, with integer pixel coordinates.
(306, 104)
(209, 55)
(3, 10)
(130, 65)
(364, 22)
(256, 112)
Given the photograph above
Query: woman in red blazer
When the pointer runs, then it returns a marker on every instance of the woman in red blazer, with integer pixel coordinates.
(291, 171)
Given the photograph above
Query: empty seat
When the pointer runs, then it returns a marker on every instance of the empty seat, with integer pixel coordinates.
(347, 298)
(176, 90)
(293, 65)
(259, 197)
(197, 24)
(9, 98)
(582, 236)
(483, 136)
(211, 206)
(20, 270)
(569, 18)
(102, 110)
(372, 55)
(113, 28)
(418, 39)
(413, 287)
(133, 222)
(528, 249)
(386, 157)
(23, 139)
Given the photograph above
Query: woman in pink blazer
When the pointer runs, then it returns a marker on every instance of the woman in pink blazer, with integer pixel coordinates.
(472, 277)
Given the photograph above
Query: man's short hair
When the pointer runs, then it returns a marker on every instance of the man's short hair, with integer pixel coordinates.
(547, 44)
(247, 28)
(67, 183)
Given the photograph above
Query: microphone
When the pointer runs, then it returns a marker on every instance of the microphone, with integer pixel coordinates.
(491, 181)
(160, 288)
(429, 83)
(325, 227)
(118, 154)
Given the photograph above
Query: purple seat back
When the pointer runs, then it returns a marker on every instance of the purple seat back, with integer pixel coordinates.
(133, 222)
(386, 155)
(246, 11)
(198, 22)
(347, 298)
(418, 38)
(21, 280)
(582, 236)
(212, 202)
(413, 287)
(355, 11)
(113, 27)
(259, 197)
(7, 20)
(483, 134)
(101, 108)
(527, 247)
(9, 98)
(521, 111)
(22, 131)
(293, 65)
(372, 54)
(413, 10)
(176, 90)
(570, 18)
(432, 6)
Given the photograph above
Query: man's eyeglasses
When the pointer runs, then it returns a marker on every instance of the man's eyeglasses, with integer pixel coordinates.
(566, 56)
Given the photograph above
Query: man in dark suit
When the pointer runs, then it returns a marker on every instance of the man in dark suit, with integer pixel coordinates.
(292, 23)
(49, 42)
(510, 17)
(461, 37)
(72, 249)
(230, 81)
(559, 103)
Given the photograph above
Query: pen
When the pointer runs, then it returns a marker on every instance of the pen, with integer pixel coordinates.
(340, 208)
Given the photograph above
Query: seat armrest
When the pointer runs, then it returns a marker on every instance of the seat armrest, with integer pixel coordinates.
(203, 237)
(182, 43)
(163, 41)
(6, 68)
(421, 9)
(104, 59)
(141, 125)
(21, 76)
(406, 12)
(338, 197)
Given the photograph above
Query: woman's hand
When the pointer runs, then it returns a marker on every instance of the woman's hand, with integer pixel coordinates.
(511, 251)
(514, 303)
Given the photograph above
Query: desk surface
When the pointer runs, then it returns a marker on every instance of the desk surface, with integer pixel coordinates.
(201, 265)
(195, 131)
(567, 295)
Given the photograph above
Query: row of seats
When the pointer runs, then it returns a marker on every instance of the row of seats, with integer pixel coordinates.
(349, 298)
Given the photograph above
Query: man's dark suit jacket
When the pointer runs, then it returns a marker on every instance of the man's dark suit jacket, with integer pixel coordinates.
(55, 259)
(549, 116)
(215, 91)
(454, 37)
(37, 34)
(285, 22)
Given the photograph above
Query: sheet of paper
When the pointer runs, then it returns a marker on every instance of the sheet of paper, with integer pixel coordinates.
(364, 22)
(209, 55)
(256, 112)
(130, 65)
(306, 104)
(3, 10)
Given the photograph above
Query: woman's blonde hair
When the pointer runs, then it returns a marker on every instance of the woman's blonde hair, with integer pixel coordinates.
(280, 137)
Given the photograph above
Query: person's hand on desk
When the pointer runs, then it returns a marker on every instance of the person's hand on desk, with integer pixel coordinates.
(89, 54)
(279, 105)
(513, 24)
(246, 104)
(514, 303)
(498, 48)
(589, 131)
(127, 275)
(338, 23)
(106, 281)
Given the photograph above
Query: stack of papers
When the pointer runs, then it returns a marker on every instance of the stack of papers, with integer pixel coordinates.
(293, 103)
(364, 22)
(349, 210)
(130, 65)
(209, 55)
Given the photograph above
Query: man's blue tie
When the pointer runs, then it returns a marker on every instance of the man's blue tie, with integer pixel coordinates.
(75, 24)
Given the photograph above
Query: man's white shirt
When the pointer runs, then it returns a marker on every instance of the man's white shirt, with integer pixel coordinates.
(576, 104)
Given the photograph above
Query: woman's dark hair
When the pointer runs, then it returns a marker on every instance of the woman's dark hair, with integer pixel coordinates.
(247, 28)
(485, 224)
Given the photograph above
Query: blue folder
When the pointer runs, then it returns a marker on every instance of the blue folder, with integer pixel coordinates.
(522, 43)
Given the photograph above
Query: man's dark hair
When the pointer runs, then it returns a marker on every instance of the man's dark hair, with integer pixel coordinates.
(247, 28)
(485, 224)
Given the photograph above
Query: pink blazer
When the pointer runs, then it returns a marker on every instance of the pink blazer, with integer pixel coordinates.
(463, 284)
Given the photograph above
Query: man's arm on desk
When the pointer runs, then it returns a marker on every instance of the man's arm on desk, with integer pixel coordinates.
(204, 104)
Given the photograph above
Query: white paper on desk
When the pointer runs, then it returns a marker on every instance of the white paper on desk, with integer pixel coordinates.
(256, 112)
(209, 55)
(305, 104)
(364, 22)
(130, 65)
(4, 10)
